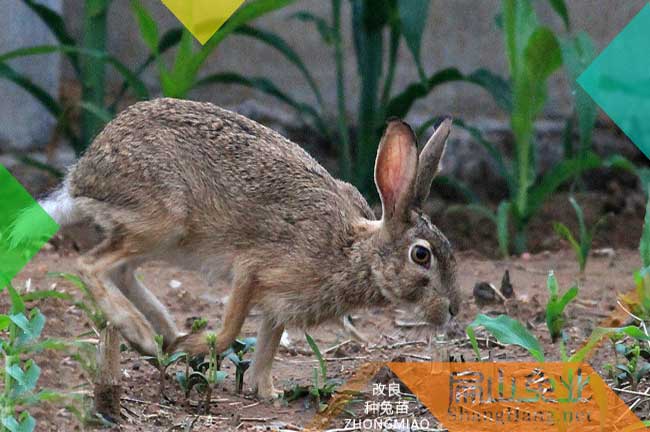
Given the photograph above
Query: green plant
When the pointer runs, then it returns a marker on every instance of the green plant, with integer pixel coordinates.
(534, 54)
(581, 247)
(20, 332)
(322, 388)
(213, 375)
(164, 361)
(634, 369)
(236, 354)
(556, 305)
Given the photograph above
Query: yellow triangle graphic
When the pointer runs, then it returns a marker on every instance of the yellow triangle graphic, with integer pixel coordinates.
(203, 17)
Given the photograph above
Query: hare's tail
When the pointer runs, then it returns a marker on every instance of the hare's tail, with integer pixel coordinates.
(29, 224)
(61, 206)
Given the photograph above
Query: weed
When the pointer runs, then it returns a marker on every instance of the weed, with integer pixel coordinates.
(582, 246)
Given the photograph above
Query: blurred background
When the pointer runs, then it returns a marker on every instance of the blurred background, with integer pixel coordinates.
(327, 74)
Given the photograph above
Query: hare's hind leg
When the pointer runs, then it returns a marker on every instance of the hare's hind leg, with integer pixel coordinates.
(97, 268)
(268, 339)
(124, 277)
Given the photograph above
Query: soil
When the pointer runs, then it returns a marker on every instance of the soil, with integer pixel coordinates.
(389, 334)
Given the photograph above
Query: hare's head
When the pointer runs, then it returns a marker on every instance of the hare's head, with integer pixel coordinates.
(413, 261)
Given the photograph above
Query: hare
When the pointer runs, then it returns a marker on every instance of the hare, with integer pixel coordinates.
(201, 187)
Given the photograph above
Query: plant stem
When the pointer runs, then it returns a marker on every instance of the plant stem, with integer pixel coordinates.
(93, 70)
(345, 164)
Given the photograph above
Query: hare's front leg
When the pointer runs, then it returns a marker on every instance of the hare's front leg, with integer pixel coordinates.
(268, 339)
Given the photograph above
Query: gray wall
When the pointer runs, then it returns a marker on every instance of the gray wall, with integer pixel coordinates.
(23, 122)
(460, 33)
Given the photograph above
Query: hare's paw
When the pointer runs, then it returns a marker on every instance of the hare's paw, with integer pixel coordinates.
(267, 391)
(192, 343)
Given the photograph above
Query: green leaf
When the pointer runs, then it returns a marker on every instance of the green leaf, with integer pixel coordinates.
(577, 54)
(503, 233)
(326, 32)
(34, 90)
(543, 55)
(319, 356)
(507, 331)
(556, 176)
(249, 11)
(559, 6)
(100, 112)
(5, 321)
(564, 232)
(26, 424)
(602, 332)
(400, 105)
(17, 303)
(139, 88)
(45, 294)
(56, 24)
(413, 15)
(644, 244)
(174, 358)
(276, 42)
(556, 305)
(147, 25)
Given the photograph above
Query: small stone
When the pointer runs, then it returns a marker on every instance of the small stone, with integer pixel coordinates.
(174, 284)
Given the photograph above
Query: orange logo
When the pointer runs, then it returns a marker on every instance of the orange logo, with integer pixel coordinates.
(494, 397)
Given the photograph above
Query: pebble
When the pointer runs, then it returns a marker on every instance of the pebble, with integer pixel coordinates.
(174, 284)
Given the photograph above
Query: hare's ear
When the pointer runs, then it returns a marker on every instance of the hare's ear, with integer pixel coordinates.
(396, 170)
(429, 162)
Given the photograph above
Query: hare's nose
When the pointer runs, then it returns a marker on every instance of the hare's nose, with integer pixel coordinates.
(453, 309)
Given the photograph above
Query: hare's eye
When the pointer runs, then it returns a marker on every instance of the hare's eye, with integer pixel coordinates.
(420, 255)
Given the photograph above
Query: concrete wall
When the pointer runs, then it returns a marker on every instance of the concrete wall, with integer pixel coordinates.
(460, 33)
(23, 121)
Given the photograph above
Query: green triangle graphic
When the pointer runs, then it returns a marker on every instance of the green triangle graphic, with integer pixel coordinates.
(24, 227)
(619, 80)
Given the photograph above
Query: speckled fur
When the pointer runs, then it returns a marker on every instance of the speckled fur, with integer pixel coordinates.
(211, 190)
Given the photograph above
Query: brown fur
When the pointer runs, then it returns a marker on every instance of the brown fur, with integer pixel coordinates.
(210, 190)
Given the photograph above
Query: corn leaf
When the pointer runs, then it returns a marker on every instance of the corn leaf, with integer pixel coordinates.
(507, 331)
(276, 42)
(56, 25)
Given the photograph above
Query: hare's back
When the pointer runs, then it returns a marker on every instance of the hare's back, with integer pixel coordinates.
(197, 156)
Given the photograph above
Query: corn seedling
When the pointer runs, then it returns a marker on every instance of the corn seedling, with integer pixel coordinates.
(534, 54)
(322, 388)
(555, 307)
(582, 245)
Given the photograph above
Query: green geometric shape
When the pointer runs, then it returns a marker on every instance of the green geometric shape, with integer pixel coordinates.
(24, 227)
(619, 80)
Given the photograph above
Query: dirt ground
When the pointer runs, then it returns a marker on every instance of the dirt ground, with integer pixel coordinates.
(391, 336)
